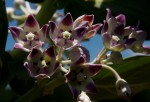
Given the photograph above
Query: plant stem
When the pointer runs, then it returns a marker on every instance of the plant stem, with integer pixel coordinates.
(48, 8)
(100, 55)
(66, 62)
(116, 75)
(59, 56)
(63, 69)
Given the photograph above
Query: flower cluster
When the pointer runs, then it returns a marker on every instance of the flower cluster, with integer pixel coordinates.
(66, 35)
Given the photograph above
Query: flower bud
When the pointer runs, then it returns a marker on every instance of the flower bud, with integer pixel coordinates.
(123, 89)
(116, 57)
(83, 97)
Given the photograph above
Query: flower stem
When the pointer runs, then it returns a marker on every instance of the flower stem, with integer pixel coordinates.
(63, 69)
(116, 75)
(24, 10)
(66, 62)
(59, 56)
(100, 55)
(48, 7)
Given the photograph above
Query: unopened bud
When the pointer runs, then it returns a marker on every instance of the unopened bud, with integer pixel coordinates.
(83, 97)
(123, 89)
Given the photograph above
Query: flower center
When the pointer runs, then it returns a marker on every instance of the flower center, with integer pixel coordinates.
(30, 36)
(116, 38)
(66, 35)
(81, 77)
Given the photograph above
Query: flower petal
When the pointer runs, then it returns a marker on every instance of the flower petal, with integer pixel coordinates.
(118, 47)
(42, 32)
(21, 47)
(90, 87)
(34, 54)
(112, 24)
(121, 18)
(17, 33)
(31, 24)
(26, 65)
(51, 52)
(53, 30)
(109, 15)
(81, 60)
(106, 40)
(105, 28)
(74, 91)
(78, 51)
(89, 34)
(78, 33)
(129, 42)
(92, 69)
(119, 30)
(79, 20)
(66, 23)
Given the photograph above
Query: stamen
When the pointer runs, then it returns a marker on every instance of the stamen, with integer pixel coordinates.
(66, 35)
(116, 38)
(30, 36)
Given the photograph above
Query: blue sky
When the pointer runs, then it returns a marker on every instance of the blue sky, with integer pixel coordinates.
(94, 45)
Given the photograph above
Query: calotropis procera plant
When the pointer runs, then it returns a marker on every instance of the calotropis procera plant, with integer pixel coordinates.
(74, 66)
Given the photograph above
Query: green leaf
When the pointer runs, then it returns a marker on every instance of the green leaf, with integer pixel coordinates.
(135, 70)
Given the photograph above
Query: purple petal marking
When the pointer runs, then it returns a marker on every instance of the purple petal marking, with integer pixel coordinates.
(89, 18)
(81, 60)
(80, 31)
(67, 20)
(93, 69)
(33, 52)
(130, 41)
(105, 27)
(15, 31)
(90, 87)
(21, 47)
(119, 29)
(31, 21)
(52, 27)
(51, 52)
(74, 91)
(44, 29)
(121, 18)
(109, 15)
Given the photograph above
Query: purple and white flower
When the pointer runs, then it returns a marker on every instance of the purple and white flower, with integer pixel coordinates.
(30, 36)
(68, 33)
(138, 46)
(41, 64)
(114, 33)
(79, 77)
